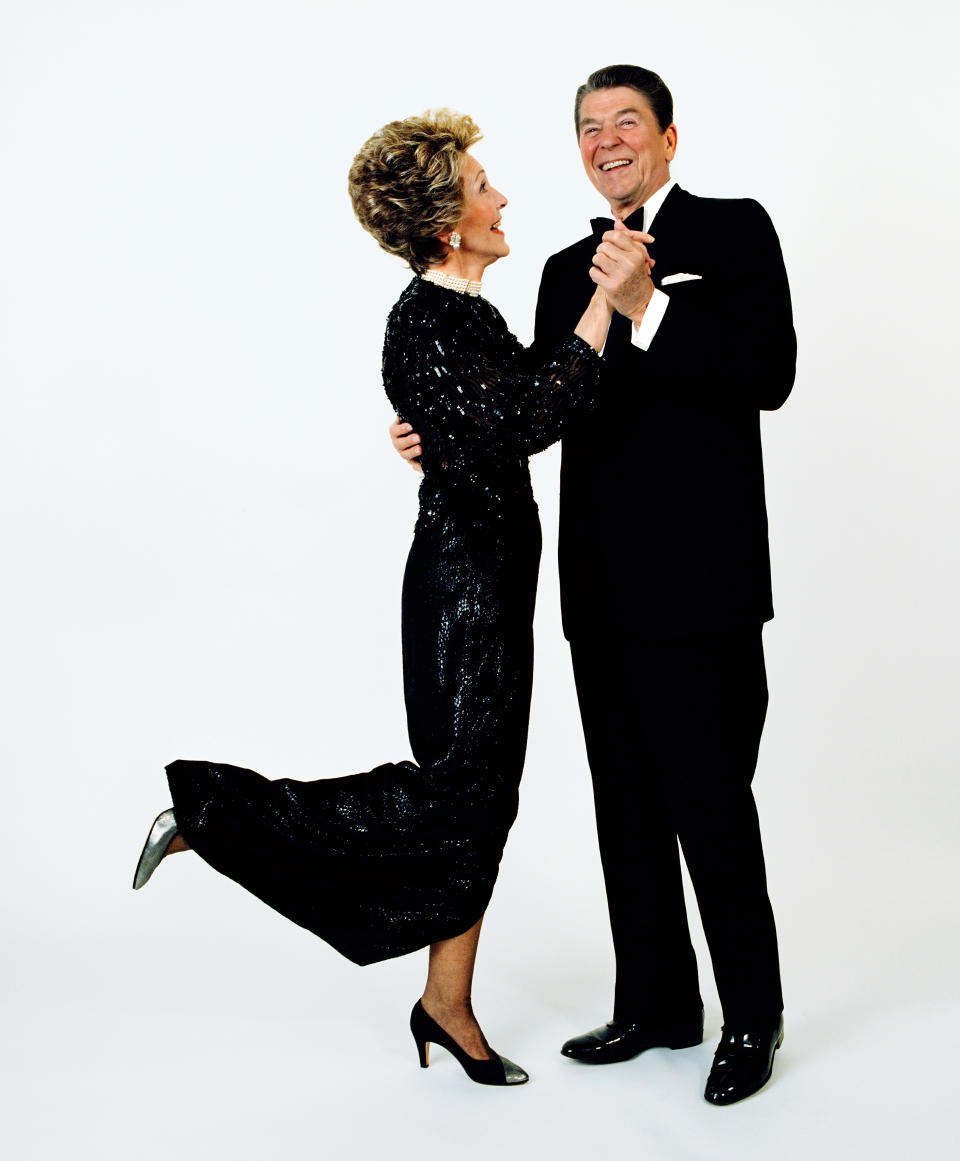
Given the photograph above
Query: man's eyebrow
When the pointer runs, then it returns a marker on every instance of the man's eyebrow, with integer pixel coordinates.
(596, 120)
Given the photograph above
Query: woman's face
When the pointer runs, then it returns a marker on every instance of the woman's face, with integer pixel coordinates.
(481, 236)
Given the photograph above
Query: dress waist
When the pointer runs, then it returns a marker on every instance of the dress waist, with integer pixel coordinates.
(469, 515)
(479, 491)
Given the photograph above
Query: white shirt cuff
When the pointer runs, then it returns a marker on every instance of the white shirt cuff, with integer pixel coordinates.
(642, 336)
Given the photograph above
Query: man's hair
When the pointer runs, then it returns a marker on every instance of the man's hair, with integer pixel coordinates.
(406, 183)
(645, 82)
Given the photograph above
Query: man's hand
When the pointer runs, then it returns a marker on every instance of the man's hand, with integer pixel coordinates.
(406, 442)
(621, 266)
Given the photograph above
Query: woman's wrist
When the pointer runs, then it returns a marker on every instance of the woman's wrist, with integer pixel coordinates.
(595, 321)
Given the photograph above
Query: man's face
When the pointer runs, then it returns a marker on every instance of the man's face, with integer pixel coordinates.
(624, 153)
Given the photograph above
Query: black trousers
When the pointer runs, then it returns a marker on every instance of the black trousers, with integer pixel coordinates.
(672, 730)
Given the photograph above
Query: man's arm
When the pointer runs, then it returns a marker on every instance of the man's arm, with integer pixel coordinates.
(729, 337)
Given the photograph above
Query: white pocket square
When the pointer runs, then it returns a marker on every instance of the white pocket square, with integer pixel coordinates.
(670, 279)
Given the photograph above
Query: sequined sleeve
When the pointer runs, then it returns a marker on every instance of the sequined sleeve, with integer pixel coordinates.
(453, 369)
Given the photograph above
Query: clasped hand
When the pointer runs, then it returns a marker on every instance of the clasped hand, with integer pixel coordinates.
(621, 267)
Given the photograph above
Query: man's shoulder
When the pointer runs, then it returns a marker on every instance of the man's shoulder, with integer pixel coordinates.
(730, 211)
(697, 207)
(574, 253)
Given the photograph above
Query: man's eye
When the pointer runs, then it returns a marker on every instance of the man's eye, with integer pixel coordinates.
(628, 122)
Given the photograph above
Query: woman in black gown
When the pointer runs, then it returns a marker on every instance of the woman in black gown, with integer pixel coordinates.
(406, 855)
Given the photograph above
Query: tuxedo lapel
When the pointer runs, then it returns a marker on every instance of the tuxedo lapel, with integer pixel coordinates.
(668, 233)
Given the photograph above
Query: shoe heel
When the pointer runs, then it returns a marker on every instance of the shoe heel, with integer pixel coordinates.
(687, 1037)
(419, 1026)
(690, 1041)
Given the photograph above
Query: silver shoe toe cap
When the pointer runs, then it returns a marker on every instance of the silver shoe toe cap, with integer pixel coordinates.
(161, 833)
(513, 1073)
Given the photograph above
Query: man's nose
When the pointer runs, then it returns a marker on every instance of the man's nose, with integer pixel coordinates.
(609, 136)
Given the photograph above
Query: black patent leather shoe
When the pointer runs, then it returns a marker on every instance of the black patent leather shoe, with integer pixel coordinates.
(742, 1064)
(619, 1040)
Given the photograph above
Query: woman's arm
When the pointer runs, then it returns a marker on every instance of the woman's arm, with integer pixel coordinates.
(595, 321)
(592, 328)
(466, 382)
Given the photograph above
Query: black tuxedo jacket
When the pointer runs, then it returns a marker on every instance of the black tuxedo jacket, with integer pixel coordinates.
(663, 524)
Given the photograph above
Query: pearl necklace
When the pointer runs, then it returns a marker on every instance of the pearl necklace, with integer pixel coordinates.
(460, 285)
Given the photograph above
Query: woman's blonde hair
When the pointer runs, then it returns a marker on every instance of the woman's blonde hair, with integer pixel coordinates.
(406, 183)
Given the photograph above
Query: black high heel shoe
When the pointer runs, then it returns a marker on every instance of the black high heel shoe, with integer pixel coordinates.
(161, 835)
(427, 1031)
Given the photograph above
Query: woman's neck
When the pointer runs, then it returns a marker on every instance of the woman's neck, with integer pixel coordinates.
(458, 265)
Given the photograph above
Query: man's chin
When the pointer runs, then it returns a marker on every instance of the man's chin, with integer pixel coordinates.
(620, 192)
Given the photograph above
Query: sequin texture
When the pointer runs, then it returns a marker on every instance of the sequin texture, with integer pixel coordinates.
(384, 862)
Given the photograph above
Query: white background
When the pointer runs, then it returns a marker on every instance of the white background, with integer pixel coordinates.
(204, 531)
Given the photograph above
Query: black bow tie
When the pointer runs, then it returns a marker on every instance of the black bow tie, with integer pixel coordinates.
(633, 222)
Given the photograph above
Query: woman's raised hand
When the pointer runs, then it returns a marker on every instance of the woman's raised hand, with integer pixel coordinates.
(622, 267)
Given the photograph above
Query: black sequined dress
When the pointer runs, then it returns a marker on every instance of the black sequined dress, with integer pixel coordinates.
(382, 863)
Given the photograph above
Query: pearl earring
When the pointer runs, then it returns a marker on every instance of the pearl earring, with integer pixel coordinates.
(455, 240)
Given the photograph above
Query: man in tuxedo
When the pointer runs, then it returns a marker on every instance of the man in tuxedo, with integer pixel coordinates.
(665, 577)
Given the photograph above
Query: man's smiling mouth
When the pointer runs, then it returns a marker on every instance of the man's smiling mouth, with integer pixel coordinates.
(619, 163)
